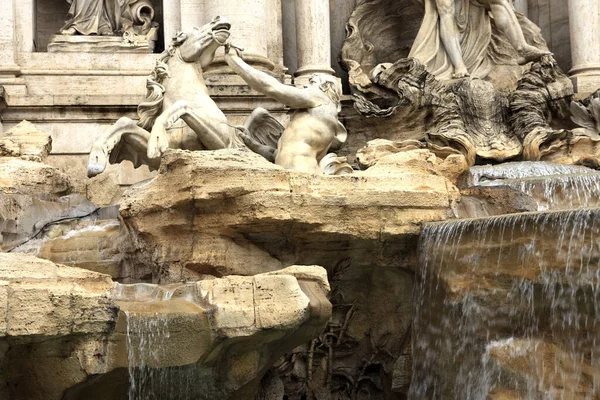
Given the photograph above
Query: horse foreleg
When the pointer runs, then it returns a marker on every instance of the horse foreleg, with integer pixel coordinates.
(124, 129)
(210, 131)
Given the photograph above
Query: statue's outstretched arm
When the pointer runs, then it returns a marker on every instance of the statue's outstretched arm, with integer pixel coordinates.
(269, 86)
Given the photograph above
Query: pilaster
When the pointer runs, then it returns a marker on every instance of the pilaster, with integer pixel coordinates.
(313, 39)
(584, 23)
(10, 71)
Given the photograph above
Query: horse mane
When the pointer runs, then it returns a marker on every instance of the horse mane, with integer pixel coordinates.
(150, 108)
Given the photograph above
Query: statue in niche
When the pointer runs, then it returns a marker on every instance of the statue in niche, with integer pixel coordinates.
(107, 25)
(458, 38)
(92, 17)
(314, 128)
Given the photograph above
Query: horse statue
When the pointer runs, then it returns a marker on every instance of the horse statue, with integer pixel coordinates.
(179, 113)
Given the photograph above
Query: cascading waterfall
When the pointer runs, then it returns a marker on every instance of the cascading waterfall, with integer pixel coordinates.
(557, 192)
(145, 343)
(509, 307)
(480, 174)
(148, 334)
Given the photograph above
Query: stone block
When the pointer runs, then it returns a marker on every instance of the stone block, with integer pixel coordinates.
(25, 141)
(271, 313)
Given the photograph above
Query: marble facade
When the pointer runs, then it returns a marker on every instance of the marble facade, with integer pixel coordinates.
(76, 96)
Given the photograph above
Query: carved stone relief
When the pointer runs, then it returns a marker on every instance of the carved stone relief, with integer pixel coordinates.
(511, 103)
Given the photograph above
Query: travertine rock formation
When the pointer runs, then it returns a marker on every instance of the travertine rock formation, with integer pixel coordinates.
(104, 190)
(224, 333)
(89, 243)
(25, 141)
(54, 319)
(41, 298)
(31, 195)
(232, 212)
(32, 178)
(227, 212)
(417, 156)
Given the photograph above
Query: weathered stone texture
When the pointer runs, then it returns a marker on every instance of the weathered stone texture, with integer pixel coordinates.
(78, 324)
(232, 212)
(25, 141)
(41, 298)
(91, 245)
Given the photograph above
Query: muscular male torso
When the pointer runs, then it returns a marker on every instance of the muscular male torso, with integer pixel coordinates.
(308, 137)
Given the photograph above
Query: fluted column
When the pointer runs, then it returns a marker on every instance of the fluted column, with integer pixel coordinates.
(192, 14)
(521, 6)
(249, 26)
(584, 25)
(9, 68)
(172, 12)
(275, 35)
(313, 38)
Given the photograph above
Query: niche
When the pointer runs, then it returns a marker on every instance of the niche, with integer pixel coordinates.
(50, 16)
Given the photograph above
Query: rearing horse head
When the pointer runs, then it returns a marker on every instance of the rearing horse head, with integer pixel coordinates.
(201, 44)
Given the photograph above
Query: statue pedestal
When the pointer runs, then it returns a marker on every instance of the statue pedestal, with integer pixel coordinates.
(99, 44)
(587, 82)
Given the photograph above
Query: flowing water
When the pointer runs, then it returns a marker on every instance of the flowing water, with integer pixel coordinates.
(509, 307)
(557, 192)
(480, 174)
(152, 375)
(147, 335)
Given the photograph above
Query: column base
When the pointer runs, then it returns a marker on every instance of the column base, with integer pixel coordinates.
(303, 74)
(11, 82)
(586, 83)
(303, 80)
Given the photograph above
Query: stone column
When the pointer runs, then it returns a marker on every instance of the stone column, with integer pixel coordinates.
(192, 14)
(9, 68)
(275, 35)
(584, 25)
(249, 26)
(521, 6)
(313, 39)
(172, 10)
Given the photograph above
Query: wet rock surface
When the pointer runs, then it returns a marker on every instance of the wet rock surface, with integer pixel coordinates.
(89, 243)
(209, 339)
(100, 336)
(527, 186)
(231, 212)
(514, 298)
(484, 201)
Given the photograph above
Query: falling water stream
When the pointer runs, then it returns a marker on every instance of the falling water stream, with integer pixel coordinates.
(148, 334)
(509, 307)
(480, 174)
(557, 192)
